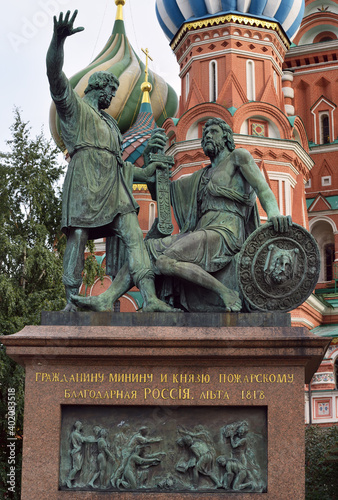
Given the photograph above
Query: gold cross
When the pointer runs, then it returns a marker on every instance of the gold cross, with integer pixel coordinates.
(146, 52)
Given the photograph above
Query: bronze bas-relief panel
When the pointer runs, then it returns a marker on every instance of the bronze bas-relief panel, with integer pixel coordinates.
(163, 449)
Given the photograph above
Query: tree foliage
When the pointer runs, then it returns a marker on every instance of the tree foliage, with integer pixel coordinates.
(31, 250)
(321, 463)
(93, 267)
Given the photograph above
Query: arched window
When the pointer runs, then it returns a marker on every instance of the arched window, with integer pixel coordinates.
(187, 85)
(275, 80)
(325, 128)
(329, 258)
(326, 39)
(323, 229)
(250, 80)
(213, 87)
(152, 212)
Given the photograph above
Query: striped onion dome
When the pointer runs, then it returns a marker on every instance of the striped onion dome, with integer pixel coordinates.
(119, 58)
(136, 138)
(173, 13)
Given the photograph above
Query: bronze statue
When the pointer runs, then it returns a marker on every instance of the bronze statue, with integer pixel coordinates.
(216, 211)
(97, 192)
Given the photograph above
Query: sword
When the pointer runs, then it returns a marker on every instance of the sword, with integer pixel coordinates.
(165, 225)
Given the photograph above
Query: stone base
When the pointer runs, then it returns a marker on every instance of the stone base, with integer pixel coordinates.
(207, 375)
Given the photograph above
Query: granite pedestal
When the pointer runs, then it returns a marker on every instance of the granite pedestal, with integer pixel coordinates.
(156, 369)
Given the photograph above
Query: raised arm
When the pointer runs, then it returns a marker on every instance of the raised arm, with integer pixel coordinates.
(63, 27)
(268, 201)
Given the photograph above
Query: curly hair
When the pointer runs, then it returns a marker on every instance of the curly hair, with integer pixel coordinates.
(226, 129)
(100, 80)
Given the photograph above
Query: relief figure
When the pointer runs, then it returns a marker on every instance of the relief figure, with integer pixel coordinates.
(201, 457)
(135, 473)
(102, 458)
(242, 472)
(139, 439)
(77, 453)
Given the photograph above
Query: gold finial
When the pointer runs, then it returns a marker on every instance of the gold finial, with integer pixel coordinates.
(119, 13)
(146, 86)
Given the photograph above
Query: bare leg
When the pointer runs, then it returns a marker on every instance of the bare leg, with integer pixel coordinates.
(73, 263)
(104, 302)
(92, 481)
(151, 302)
(71, 476)
(195, 274)
(127, 228)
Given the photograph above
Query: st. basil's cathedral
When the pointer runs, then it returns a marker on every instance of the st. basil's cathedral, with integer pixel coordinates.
(269, 68)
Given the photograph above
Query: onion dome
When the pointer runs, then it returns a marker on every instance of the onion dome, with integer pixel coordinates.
(173, 13)
(135, 140)
(119, 58)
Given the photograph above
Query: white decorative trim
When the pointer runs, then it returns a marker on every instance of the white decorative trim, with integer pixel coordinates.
(248, 140)
(303, 321)
(184, 166)
(334, 354)
(223, 52)
(315, 68)
(187, 85)
(98, 279)
(326, 180)
(317, 219)
(288, 92)
(287, 182)
(328, 213)
(133, 301)
(226, 34)
(315, 115)
(323, 378)
(323, 148)
(250, 80)
(213, 83)
(287, 76)
(275, 80)
(317, 305)
(283, 164)
(289, 109)
(271, 143)
(313, 204)
(302, 50)
(304, 212)
(183, 146)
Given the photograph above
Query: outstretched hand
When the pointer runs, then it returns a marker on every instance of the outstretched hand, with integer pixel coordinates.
(63, 27)
(281, 223)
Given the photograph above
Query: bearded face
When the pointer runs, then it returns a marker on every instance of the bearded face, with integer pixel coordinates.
(213, 141)
(282, 269)
(106, 95)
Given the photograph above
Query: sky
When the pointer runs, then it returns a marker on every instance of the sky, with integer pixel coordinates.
(25, 31)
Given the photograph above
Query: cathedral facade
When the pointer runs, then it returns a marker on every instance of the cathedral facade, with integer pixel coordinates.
(268, 68)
